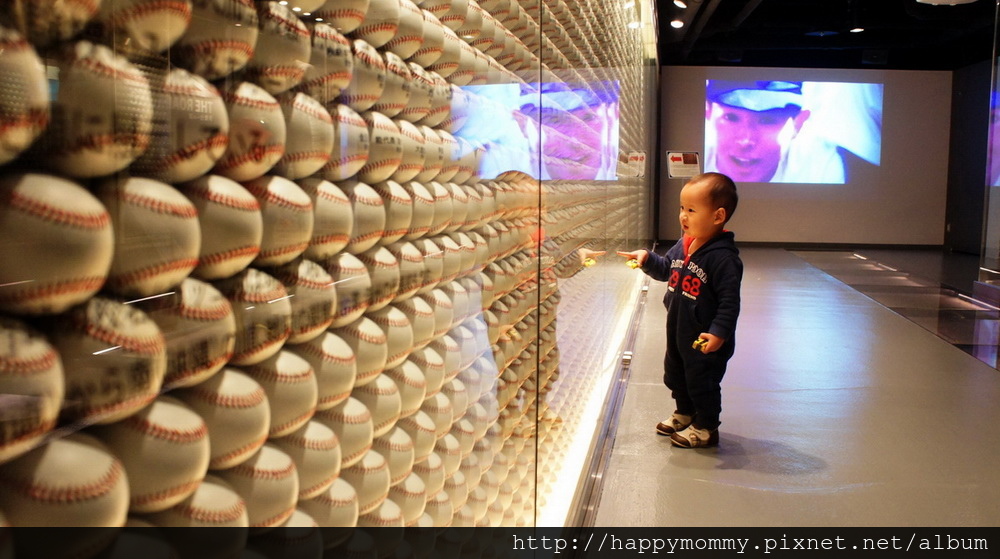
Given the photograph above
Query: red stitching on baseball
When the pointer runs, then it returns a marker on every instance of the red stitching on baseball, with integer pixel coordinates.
(243, 450)
(344, 161)
(158, 206)
(265, 194)
(47, 212)
(176, 377)
(250, 251)
(319, 486)
(137, 11)
(131, 278)
(293, 422)
(212, 48)
(264, 347)
(165, 433)
(205, 193)
(234, 98)
(34, 119)
(400, 39)
(257, 154)
(158, 496)
(298, 248)
(186, 153)
(334, 238)
(317, 351)
(372, 61)
(213, 516)
(300, 156)
(25, 366)
(294, 25)
(344, 13)
(334, 399)
(257, 472)
(72, 494)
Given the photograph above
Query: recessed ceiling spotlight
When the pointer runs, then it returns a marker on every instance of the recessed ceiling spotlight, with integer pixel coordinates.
(676, 24)
(680, 4)
(857, 30)
(945, 2)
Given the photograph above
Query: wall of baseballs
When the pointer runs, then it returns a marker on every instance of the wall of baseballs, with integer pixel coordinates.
(253, 273)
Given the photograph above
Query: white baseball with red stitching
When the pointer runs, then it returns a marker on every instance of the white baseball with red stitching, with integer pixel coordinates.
(413, 142)
(345, 15)
(165, 452)
(236, 413)
(412, 385)
(220, 39)
(290, 384)
(419, 105)
(337, 506)
(313, 298)
(396, 94)
(440, 101)
(382, 399)
(214, 504)
(310, 134)
(421, 430)
(157, 236)
(335, 366)
(368, 79)
(331, 64)
(287, 212)
(353, 285)
(102, 116)
(269, 484)
(411, 496)
(398, 333)
(350, 145)
(48, 487)
(411, 270)
(24, 102)
(283, 50)
(409, 34)
(152, 25)
(231, 224)
(190, 138)
(257, 132)
(114, 357)
(369, 213)
(451, 51)
(368, 342)
(315, 449)
(352, 422)
(370, 479)
(380, 23)
(383, 269)
(423, 210)
(56, 244)
(51, 21)
(263, 315)
(332, 218)
(31, 384)
(385, 153)
(432, 41)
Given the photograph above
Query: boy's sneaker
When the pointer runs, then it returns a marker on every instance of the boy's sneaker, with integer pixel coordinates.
(674, 423)
(693, 437)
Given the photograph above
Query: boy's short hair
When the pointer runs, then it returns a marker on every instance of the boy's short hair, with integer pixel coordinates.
(722, 192)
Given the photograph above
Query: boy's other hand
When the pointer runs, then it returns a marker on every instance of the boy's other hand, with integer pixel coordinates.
(640, 255)
(713, 344)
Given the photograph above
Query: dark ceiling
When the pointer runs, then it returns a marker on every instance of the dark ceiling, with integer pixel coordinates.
(898, 34)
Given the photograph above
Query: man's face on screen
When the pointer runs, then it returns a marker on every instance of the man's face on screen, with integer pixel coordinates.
(750, 144)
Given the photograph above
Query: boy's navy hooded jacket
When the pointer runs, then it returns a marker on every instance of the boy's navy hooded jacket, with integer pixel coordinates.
(703, 290)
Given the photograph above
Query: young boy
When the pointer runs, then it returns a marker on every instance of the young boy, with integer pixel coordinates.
(704, 272)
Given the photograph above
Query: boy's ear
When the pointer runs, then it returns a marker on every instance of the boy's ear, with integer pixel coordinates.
(720, 216)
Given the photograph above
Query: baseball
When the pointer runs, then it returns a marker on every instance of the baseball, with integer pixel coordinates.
(370, 479)
(332, 219)
(433, 264)
(114, 357)
(452, 155)
(409, 34)
(486, 42)
(432, 41)
(50, 21)
(432, 366)
(47, 486)
(419, 103)
(457, 488)
(462, 104)
(431, 472)
(236, 414)
(438, 408)
(459, 208)
(383, 269)
(102, 116)
(24, 102)
(315, 449)
(396, 94)
(309, 129)
(231, 225)
(335, 507)
(190, 129)
(418, 312)
(398, 334)
(452, 266)
(31, 384)
(291, 388)
(220, 38)
(458, 396)
(331, 64)
(440, 102)
(434, 155)
(56, 244)
(420, 427)
(368, 210)
(368, 342)
(257, 132)
(385, 516)
(287, 214)
(313, 298)
(283, 50)
(411, 269)
(199, 327)
(411, 496)
(335, 367)
(385, 153)
(449, 350)
(350, 144)
(441, 510)
(152, 25)
(157, 235)
(412, 386)
(397, 448)
(423, 210)
(344, 15)
(413, 151)
(465, 73)
(268, 483)
(368, 79)
(164, 450)
(353, 285)
(451, 51)
(263, 315)
(380, 23)
(352, 423)
(449, 449)
(214, 503)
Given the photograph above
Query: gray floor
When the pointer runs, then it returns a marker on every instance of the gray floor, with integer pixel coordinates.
(837, 412)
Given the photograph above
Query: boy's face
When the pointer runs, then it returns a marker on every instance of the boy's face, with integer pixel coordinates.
(750, 144)
(697, 216)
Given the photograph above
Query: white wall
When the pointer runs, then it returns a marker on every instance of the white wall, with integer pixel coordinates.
(902, 203)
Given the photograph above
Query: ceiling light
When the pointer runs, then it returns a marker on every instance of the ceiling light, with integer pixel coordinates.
(945, 2)
(676, 24)
(857, 29)
(680, 4)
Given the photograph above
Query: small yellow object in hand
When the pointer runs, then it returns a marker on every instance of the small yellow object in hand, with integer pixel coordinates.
(588, 262)
(699, 343)
(632, 263)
